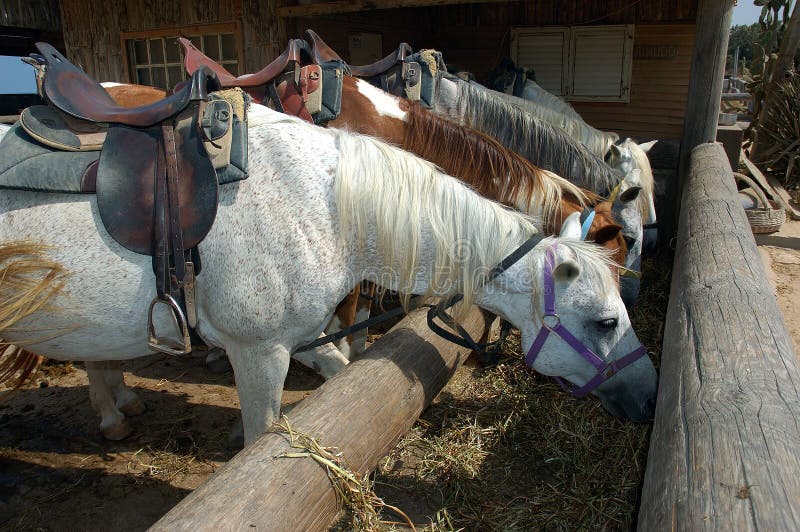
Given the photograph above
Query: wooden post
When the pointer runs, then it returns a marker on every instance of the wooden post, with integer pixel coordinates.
(724, 448)
(363, 411)
(713, 26)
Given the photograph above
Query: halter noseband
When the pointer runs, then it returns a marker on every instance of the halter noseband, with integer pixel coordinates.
(551, 323)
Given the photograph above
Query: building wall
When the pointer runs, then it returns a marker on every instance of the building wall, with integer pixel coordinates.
(475, 37)
(93, 28)
(24, 22)
(659, 87)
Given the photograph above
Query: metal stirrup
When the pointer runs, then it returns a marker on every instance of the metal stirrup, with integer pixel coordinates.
(163, 344)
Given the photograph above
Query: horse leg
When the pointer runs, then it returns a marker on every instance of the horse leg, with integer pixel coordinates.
(112, 422)
(126, 399)
(260, 374)
(358, 343)
(344, 317)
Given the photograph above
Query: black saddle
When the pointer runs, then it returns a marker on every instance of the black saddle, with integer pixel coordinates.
(156, 185)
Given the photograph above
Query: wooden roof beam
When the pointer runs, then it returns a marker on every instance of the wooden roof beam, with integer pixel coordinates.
(349, 6)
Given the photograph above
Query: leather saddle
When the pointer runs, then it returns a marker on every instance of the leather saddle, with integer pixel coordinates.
(156, 185)
(294, 83)
(403, 73)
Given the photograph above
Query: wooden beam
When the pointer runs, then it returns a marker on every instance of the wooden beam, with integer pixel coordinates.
(723, 451)
(350, 6)
(363, 411)
(702, 106)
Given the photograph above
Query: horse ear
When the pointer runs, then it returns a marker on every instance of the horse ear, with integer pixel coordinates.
(607, 233)
(566, 272)
(615, 150)
(647, 146)
(629, 194)
(571, 228)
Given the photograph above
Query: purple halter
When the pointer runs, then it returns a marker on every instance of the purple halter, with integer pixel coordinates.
(551, 323)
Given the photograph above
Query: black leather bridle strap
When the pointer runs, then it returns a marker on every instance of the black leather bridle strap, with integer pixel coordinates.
(462, 337)
(389, 314)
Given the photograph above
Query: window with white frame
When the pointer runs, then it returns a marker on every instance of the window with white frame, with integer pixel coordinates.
(580, 63)
(158, 61)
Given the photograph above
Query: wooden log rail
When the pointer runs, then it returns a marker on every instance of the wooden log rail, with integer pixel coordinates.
(725, 448)
(363, 411)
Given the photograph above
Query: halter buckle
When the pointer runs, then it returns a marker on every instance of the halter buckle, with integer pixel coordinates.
(553, 319)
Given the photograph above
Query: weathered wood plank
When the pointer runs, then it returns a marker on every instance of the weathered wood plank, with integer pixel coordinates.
(723, 452)
(364, 411)
(347, 6)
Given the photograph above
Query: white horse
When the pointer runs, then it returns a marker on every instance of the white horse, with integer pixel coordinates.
(321, 211)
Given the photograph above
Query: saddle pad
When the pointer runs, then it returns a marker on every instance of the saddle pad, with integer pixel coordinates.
(236, 170)
(26, 164)
(432, 68)
(50, 127)
(332, 79)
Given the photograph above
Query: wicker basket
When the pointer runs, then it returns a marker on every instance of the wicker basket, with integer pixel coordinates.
(766, 219)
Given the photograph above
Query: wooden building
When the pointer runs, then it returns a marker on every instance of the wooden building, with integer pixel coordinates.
(133, 41)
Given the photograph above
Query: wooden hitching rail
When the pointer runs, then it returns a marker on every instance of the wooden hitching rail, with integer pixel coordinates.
(725, 448)
(363, 411)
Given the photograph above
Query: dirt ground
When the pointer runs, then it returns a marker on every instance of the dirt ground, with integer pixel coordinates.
(57, 472)
(783, 269)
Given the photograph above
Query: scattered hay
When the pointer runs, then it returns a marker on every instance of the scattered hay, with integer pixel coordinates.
(180, 456)
(356, 495)
(506, 449)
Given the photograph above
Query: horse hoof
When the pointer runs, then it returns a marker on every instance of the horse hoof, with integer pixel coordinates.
(217, 361)
(117, 431)
(134, 407)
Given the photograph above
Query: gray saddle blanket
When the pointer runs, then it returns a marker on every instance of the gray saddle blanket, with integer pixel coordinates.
(27, 164)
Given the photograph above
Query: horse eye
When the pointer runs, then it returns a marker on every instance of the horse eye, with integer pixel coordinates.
(629, 241)
(610, 323)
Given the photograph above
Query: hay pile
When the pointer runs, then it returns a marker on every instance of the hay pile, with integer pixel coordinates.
(503, 448)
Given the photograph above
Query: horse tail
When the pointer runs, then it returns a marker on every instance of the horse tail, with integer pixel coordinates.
(17, 365)
(28, 280)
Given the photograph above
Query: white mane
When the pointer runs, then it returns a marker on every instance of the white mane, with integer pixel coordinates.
(402, 198)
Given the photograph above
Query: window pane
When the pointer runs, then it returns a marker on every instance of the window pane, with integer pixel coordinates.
(175, 75)
(228, 46)
(156, 51)
(159, 77)
(140, 52)
(173, 50)
(211, 46)
(143, 76)
(197, 41)
(231, 67)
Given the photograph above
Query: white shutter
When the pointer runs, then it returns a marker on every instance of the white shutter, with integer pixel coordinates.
(545, 51)
(600, 69)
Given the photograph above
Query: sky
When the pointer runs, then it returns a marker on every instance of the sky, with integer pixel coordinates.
(745, 13)
(17, 78)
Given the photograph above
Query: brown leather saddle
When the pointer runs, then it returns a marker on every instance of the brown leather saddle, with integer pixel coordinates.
(291, 83)
(397, 73)
(156, 185)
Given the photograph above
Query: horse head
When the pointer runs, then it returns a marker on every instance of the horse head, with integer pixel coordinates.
(626, 156)
(574, 325)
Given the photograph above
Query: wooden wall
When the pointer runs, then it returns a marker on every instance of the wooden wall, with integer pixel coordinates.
(92, 28)
(30, 14)
(659, 88)
(475, 37)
